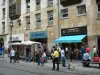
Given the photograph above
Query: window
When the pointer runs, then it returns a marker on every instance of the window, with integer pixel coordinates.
(98, 6)
(3, 12)
(38, 4)
(28, 6)
(3, 27)
(50, 17)
(3, 2)
(14, 9)
(38, 20)
(27, 22)
(50, 3)
(64, 13)
(19, 22)
(81, 10)
(98, 10)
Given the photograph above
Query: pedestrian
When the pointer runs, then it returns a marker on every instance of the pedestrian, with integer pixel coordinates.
(39, 54)
(83, 50)
(63, 58)
(42, 59)
(94, 51)
(28, 54)
(88, 49)
(16, 56)
(9, 51)
(66, 51)
(56, 59)
(70, 58)
(12, 55)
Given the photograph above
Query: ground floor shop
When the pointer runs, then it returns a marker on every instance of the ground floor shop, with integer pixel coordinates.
(77, 36)
(41, 37)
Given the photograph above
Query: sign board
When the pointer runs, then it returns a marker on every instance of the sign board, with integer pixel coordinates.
(74, 31)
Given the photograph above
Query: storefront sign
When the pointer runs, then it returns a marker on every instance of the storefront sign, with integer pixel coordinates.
(16, 38)
(74, 31)
(42, 34)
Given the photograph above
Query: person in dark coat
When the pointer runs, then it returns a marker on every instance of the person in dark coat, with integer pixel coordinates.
(28, 54)
(17, 56)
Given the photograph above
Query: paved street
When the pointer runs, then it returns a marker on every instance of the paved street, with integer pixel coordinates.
(24, 68)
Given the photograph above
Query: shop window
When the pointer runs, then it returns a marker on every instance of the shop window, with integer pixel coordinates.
(3, 27)
(50, 3)
(64, 13)
(38, 20)
(81, 10)
(27, 22)
(50, 17)
(98, 10)
(38, 4)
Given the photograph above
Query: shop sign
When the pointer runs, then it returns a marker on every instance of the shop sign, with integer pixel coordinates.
(42, 34)
(15, 38)
(74, 31)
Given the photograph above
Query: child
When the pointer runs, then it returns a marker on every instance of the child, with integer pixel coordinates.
(96, 58)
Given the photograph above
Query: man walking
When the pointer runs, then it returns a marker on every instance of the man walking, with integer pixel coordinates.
(56, 59)
(12, 55)
(63, 58)
(27, 55)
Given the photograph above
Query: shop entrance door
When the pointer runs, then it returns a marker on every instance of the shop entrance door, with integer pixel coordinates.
(98, 43)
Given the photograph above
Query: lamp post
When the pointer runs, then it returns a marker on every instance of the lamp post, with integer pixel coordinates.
(11, 26)
(59, 31)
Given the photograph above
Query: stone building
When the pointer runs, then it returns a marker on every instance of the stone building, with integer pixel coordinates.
(39, 21)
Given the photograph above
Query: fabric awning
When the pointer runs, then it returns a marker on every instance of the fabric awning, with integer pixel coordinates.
(70, 39)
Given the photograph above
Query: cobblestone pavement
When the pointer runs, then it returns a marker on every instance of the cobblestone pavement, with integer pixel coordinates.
(23, 68)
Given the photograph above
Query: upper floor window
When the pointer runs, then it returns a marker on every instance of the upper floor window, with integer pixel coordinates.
(3, 27)
(27, 22)
(98, 6)
(64, 13)
(50, 3)
(81, 9)
(28, 6)
(50, 17)
(19, 22)
(38, 4)
(98, 10)
(38, 20)
(3, 12)
(3, 2)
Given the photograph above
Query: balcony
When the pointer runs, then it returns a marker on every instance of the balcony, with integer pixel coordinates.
(14, 9)
(69, 2)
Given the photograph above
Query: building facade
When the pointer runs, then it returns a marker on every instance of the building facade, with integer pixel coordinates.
(38, 20)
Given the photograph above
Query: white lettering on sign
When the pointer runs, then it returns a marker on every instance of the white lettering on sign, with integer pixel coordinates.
(15, 38)
(73, 30)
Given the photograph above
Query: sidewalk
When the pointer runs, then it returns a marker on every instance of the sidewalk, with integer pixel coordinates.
(78, 66)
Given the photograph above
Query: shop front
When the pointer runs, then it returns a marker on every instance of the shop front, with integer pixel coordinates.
(16, 38)
(39, 37)
(73, 37)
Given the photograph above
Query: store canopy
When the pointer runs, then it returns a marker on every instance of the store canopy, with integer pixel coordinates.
(70, 39)
(29, 43)
(17, 43)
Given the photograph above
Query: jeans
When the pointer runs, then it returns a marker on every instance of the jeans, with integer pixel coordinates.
(27, 58)
(63, 61)
(12, 58)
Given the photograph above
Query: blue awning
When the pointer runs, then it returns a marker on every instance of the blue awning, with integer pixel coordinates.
(70, 39)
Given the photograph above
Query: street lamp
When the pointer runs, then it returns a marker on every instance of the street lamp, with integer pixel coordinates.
(59, 31)
(11, 26)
